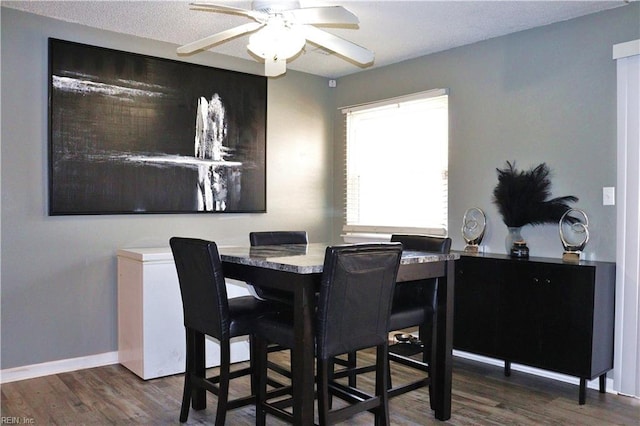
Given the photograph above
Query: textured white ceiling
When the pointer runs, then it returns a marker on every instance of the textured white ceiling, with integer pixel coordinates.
(394, 30)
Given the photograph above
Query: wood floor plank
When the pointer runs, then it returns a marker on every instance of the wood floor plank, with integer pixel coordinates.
(482, 395)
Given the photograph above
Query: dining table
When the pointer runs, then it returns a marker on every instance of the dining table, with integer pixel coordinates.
(297, 269)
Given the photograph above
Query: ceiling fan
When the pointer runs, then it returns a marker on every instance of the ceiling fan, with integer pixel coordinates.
(280, 31)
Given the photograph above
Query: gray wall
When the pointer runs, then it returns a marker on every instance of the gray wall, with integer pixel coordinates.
(59, 273)
(542, 95)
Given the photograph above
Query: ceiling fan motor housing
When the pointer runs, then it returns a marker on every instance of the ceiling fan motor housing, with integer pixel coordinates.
(270, 6)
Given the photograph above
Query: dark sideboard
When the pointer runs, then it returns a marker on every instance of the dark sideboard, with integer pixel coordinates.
(539, 312)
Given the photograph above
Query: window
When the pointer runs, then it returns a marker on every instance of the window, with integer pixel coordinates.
(397, 165)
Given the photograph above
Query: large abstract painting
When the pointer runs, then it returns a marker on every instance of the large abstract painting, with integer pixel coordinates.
(136, 134)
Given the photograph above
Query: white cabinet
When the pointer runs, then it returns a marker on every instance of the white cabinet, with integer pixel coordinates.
(151, 338)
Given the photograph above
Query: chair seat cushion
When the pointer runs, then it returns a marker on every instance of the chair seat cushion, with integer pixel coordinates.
(277, 328)
(403, 317)
(274, 295)
(243, 311)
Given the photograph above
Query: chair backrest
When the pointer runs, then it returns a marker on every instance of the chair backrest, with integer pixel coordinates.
(410, 294)
(355, 297)
(423, 243)
(272, 238)
(202, 286)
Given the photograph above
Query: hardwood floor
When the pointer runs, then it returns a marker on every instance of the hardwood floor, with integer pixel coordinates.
(481, 396)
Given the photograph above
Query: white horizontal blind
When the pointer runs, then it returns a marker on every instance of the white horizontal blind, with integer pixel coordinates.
(397, 165)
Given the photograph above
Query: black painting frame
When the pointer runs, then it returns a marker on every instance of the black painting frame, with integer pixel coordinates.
(131, 134)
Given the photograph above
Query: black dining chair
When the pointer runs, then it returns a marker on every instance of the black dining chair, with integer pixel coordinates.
(352, 313)
(414, 305)
(208, 311)
(267, 238)
(274, 238)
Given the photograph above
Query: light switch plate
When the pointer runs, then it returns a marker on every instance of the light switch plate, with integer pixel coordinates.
(609, 196)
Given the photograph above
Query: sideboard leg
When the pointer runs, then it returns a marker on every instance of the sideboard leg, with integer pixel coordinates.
(507, 368)
(583, 391)
(603, 383)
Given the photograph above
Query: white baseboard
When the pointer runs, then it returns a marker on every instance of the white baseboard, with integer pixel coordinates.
(591, 384)
(55, 367)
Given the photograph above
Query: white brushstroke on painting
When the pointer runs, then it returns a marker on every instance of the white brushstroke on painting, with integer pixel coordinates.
(211, 130)
(86, 87)
(178, 160)
(150, 87)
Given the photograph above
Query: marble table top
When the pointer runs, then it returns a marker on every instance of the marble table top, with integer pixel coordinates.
(306, 258)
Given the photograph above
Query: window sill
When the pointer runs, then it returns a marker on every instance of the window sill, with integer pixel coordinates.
(371, 234)
(355, 238)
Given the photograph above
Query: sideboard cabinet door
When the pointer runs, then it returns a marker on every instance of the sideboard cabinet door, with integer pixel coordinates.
(549, 316)
(477, 306)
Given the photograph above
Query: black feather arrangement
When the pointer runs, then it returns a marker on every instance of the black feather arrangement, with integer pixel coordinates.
(522, 197)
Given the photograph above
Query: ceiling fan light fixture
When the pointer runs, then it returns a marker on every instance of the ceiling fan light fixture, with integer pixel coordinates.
(277, 40)
(281, 30)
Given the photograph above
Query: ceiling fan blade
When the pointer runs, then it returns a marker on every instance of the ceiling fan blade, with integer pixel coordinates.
(339, 45)
(212, 7)
(323, 15)
(218, 38)
(275, 66)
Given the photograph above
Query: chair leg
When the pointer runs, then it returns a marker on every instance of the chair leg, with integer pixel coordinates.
(331, 369)
(382, 371)
(351, 365)
(252, 364)
(425, 338)
(429, 358)
(186, 393)
(186, 398)
(389, 382)
(260, 371)
(324, 401)
(223, 385)
(199, 394)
